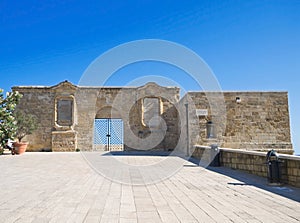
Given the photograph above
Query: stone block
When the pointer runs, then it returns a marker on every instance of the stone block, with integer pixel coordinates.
(64, 141)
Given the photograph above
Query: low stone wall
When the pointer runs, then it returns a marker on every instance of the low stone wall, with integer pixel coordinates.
(250, 161)
(291, 170)
(255, 163)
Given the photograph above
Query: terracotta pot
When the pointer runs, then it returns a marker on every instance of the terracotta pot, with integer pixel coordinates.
(20, 147)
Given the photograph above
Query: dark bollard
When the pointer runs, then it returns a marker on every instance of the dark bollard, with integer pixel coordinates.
(274, 171)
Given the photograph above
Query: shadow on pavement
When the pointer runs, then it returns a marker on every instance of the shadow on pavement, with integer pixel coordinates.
(287, 191)
(245, 179)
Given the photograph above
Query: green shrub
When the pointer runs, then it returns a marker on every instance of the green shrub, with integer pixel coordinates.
(8, 124)
(26, 124)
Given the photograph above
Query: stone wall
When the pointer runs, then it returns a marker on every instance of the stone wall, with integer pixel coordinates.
(64, 141)
(245, 120)
(127, 104)
(86, 113)
(253, 162)
(250, 161)
(239, 120)
(291, 169)
(49, 104)
(38, 101)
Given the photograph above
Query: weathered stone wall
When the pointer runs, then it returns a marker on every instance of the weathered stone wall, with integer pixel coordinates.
(38, 101)
(89, 103)
(86, 113)
(64, 141)
(251, 162)
(255, 163)
(251, 120)
(126, 104)
(241, 120)
(292, 167)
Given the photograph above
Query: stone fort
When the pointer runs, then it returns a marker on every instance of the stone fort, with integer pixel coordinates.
(153, 117)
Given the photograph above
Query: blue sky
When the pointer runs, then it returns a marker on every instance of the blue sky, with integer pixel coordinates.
(249, 45)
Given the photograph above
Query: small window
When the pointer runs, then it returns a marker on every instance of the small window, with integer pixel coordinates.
(238, 100)
(210, 130)
(151, 112)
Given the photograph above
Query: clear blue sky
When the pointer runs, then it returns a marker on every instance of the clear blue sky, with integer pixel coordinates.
(250, 45)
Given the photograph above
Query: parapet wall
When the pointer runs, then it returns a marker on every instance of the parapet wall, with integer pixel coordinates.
(255, 163)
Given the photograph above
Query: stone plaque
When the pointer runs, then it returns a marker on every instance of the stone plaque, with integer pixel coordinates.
(201, 112)
(64, 112)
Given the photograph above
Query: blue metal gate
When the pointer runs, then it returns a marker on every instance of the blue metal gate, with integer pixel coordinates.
(108, 134)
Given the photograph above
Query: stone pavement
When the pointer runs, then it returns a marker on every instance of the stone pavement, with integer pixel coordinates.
(62, 187)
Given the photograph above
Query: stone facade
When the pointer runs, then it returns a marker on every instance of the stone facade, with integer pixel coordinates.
(244, 120)
(76, 130)
(66, 114)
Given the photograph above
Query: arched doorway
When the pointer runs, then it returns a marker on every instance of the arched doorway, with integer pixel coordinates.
(108, 130)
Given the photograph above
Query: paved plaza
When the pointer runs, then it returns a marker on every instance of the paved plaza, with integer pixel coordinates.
(72, 187)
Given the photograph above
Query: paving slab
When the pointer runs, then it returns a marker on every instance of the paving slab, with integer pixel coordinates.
(66, 187)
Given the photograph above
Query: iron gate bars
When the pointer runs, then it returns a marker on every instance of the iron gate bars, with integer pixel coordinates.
(108, 134)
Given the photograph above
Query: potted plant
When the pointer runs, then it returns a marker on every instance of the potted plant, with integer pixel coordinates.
(26, 124)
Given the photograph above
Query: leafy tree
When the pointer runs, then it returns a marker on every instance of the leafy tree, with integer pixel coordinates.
(8, 127)
(26, 124)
